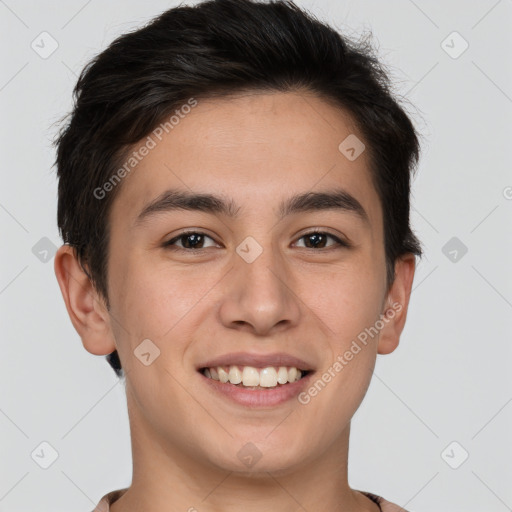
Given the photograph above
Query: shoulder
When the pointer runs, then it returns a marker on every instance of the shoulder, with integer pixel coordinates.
(385, 505)
(108, 499)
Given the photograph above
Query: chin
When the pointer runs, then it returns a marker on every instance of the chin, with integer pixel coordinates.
(258, 458)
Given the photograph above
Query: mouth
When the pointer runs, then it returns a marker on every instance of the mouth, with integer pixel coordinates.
(268, 394)
(254, 379)
(250, 377)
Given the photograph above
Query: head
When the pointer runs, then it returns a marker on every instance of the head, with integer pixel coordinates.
(251, 103)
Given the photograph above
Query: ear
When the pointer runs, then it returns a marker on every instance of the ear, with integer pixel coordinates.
(86, 308)
(396, 304)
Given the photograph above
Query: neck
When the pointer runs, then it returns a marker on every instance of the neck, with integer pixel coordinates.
(172, 476)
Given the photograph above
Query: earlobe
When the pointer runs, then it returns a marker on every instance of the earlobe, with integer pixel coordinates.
(86, 310)
(397, 303)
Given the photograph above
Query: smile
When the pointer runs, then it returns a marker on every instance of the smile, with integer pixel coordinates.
(251, 377)
(256, 387)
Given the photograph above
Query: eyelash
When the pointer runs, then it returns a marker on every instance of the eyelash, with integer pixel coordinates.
(340, 243)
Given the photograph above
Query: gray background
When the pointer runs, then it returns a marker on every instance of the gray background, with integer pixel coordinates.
(450, 378)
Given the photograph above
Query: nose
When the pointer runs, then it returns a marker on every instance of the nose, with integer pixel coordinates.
(259, 297)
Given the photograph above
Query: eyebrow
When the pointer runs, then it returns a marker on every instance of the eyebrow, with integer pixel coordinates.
(175, 199)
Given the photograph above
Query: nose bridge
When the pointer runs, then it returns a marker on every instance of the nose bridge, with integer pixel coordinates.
(260, 293)
(260, 265)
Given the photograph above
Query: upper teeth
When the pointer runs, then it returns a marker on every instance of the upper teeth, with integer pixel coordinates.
(249, 376)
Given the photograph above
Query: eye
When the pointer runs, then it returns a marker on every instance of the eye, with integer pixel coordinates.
(317, 240)
(190, 240)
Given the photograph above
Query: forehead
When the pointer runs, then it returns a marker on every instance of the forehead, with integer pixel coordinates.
(251, 147)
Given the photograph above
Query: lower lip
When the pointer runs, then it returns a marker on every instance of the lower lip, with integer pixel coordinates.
(266, 397)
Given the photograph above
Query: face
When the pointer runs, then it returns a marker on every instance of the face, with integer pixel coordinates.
(253, 278)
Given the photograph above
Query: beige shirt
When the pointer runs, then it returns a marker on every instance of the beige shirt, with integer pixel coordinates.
(108, 499)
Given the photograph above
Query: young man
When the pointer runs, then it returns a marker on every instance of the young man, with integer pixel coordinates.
(234, 201)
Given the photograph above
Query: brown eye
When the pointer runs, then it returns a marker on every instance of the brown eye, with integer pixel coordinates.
(189, 240)
(318, 240)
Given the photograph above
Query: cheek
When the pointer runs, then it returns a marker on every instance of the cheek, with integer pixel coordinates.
(346, 302)
(351, 305)
(347, 307)
(155, 302)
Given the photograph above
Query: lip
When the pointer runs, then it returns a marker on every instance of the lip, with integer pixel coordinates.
(257, 361)
(255, 398)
